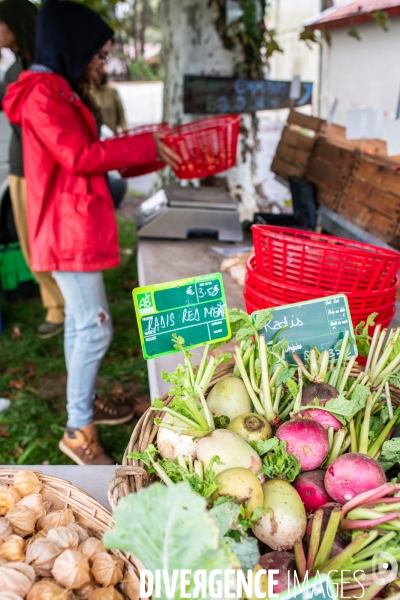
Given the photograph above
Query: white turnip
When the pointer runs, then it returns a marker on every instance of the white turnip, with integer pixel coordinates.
(242, 486)
(307, 440)
(311, 489)
(232, 450)
(229, 398)
(251, 427)
(284, 520)
(285, 563)
(322, 391)
(352, 474)
(171, 444)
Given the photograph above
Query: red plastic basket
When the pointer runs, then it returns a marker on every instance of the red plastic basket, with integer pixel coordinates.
(206, 147)
(291, 293)
(255, 300)
(138, 170)
(322, 262)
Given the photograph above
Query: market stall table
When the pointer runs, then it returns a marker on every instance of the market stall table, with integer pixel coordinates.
(169, 260)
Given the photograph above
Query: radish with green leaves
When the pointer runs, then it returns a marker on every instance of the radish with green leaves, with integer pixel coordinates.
(352, 474)
(229, 397)
(311, 489)
(307, 440)
(242, 486)
(251, 427)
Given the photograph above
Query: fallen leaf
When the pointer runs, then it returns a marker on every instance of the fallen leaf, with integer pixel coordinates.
(16, 332)
(17, 384)
(3, 431)
(130, 284)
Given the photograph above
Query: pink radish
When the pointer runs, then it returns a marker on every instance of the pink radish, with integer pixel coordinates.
(352, 474)
(307, 440)
(311, 489)
(323, 417)
(322, 391)
(342, 538)
(285, 563)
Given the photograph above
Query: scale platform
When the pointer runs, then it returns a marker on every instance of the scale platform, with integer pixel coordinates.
(178, 212)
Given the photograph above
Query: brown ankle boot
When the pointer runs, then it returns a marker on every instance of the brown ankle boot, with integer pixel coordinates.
(84, 448)
(107, 412)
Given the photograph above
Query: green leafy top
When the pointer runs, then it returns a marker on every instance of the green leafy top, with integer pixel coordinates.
(345, 409)
(390, 455)
(169, 528)
(277, 462)
(242, 326)
(361, 334)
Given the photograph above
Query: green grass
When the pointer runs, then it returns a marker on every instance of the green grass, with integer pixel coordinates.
(32, 371)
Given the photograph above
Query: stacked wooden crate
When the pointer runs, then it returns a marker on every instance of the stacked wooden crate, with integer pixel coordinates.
(371, 198)
(329, 169)
(295, 146)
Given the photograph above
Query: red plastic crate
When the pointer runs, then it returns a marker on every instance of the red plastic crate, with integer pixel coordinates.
(138, 170)
(322, 262)
(206, 147)
(291, 293)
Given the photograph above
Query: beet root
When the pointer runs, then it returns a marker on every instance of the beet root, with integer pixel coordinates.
(285, 563)
(311, 489)
(352, 474)
(322, 391)
(307, 440)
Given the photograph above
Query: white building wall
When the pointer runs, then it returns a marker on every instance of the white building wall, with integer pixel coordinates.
(361, 74)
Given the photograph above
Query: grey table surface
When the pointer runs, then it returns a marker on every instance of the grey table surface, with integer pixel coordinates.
(169, 260)
(93, 480)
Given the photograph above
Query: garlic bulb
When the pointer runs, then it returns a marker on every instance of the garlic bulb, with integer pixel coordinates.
(5, 528)
(26, 483)
(107, 569)
(47, 590)
(131, 585)
(81, 531)
(16, 577)
(108, 593)
(41, 554)
(35, 503)
(13, 549)
(71, 569)
(64, 537)
(91, 548)
(9, 596)
(22, 520)
(8, 497)
(58, 518)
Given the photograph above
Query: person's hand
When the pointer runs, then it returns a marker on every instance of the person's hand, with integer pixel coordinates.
(166, 154)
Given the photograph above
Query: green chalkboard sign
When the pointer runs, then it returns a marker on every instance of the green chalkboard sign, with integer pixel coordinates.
(320, 587)
(194, 309)
(321, 323)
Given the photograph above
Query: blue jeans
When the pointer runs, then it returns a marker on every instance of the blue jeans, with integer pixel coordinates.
(87, 336)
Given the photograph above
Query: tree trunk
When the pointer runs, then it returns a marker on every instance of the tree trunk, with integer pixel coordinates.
(143, 25)
(191, 45)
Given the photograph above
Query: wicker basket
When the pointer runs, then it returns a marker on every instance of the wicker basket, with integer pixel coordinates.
(132, 475)
(87, 511)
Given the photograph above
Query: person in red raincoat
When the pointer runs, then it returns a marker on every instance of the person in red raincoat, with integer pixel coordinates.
(71, 220)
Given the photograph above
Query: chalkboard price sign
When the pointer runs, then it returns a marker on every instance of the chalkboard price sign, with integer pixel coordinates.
(321, 323)
(232, 95)
(194, 309)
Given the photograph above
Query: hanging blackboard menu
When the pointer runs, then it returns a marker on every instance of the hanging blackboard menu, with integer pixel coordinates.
(224, 95)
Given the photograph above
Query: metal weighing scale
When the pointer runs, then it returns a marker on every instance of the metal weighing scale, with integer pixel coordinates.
(177, 212)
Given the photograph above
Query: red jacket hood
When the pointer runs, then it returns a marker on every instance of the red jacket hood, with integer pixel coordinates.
(18, 93)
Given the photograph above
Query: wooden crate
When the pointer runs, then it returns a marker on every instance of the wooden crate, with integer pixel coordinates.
(371, 198)
(296, 143)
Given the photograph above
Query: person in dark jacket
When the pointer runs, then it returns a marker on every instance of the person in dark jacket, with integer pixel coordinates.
(17, 32)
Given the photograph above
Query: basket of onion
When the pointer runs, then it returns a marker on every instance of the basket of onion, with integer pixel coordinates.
(51, 543)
